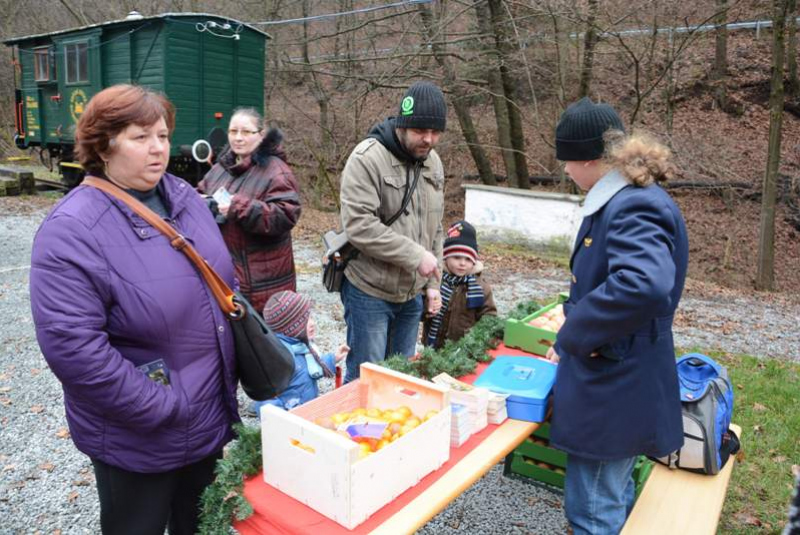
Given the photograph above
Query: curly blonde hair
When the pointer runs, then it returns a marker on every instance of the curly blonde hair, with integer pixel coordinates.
(639, 157)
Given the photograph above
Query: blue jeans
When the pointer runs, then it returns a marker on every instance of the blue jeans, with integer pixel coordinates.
(376, 328)
(598, 495)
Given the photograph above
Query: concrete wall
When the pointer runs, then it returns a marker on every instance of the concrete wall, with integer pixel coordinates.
(548, 220)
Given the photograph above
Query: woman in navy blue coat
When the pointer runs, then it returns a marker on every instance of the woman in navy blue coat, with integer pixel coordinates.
(616, 395)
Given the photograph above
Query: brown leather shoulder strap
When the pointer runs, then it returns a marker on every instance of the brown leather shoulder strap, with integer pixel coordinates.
(222, 292)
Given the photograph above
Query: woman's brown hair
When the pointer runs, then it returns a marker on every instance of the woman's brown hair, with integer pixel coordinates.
(640, 158)
(110, 112)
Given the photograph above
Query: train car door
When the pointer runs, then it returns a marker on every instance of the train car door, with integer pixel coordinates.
(46, 75)
(37, 73)
(80, 64)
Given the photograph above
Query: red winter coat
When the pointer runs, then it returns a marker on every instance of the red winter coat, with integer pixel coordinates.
(264, 209)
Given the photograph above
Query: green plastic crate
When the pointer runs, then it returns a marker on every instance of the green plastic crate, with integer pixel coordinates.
(539, 452)
(519, 334)
(641, 471)
(515, 464)
(543, 431)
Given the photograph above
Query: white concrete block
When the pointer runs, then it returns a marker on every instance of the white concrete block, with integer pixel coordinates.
(549, 220)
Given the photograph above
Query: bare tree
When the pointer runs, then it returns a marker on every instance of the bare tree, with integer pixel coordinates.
(505, 51)
(317, 89)
(495, 85)
(793, 86)
(649, 62)
(765, 277)
(589, 40)
(79, 16)
(459, 98)
(719, 74)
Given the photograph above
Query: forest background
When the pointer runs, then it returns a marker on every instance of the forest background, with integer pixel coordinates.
(509, 68)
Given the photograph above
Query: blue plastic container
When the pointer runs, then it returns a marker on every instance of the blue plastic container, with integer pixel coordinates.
(527, 380)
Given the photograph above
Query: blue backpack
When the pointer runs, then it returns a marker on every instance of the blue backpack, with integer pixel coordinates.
(707, 402)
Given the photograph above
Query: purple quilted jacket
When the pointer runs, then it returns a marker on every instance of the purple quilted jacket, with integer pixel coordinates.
(110, 294)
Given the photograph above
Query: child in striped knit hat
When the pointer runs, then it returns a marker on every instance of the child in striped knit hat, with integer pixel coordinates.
(288, 314)
(466, 296)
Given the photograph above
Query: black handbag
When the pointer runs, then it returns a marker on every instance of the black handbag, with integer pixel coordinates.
(339, 251)
(264, 365)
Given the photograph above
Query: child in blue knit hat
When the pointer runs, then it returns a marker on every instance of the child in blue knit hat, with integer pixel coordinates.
(288, 314)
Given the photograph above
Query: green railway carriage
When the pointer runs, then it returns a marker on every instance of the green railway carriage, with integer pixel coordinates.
(205, 64)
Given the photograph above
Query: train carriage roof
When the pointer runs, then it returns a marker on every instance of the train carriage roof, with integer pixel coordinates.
(215, 18)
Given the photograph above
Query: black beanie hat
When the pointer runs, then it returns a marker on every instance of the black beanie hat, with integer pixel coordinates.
(461, 241)
(423, 106)
(579, 134)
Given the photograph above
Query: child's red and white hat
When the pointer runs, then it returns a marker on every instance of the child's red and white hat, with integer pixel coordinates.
(461, 241)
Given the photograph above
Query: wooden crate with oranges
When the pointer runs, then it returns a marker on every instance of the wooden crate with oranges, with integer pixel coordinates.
(348, 453)
(536, 333)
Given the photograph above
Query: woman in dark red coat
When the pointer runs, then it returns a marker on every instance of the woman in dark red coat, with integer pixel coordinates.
(264, 206)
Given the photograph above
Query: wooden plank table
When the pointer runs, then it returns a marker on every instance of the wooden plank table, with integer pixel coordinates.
(447, 488)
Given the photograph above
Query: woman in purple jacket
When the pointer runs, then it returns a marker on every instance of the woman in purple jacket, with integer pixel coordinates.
(142, 349)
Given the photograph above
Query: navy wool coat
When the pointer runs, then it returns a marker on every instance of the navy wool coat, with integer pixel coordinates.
(628, 271)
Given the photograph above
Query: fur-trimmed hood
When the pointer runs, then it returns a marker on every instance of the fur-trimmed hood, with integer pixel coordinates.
(271, 145)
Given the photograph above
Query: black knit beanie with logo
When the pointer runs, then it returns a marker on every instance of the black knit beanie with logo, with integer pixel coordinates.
(579, 134)
(423, 106)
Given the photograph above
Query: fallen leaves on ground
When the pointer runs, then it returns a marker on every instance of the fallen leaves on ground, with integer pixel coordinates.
(747, 519)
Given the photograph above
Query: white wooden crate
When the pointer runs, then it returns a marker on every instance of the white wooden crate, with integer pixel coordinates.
(326, 473)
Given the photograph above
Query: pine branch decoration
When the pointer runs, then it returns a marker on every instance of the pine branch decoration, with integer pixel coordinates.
(460, 358)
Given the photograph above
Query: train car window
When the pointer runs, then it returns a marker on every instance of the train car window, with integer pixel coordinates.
(41, 64)
(76, 57)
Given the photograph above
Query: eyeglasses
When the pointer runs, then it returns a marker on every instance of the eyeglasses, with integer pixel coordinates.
(233, 132)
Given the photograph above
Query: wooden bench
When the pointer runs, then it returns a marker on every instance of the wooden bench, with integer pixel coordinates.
(676, 502)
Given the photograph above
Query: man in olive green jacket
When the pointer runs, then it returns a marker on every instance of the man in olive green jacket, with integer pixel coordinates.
(382, 290)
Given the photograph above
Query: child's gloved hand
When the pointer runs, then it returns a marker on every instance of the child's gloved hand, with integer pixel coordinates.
(342, 352)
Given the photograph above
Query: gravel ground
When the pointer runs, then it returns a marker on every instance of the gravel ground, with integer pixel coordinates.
(47, 486)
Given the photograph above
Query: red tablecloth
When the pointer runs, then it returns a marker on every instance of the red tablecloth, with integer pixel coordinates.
(275, 512)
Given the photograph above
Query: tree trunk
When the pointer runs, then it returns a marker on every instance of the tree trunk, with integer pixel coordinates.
(561, 40)
(318, 91)
(271, 12)
(765, 278)
(496, 90)
(459, 99)
(719, 73)
(589, 42)
(791, 48)
(670, 88)
(505, 51)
